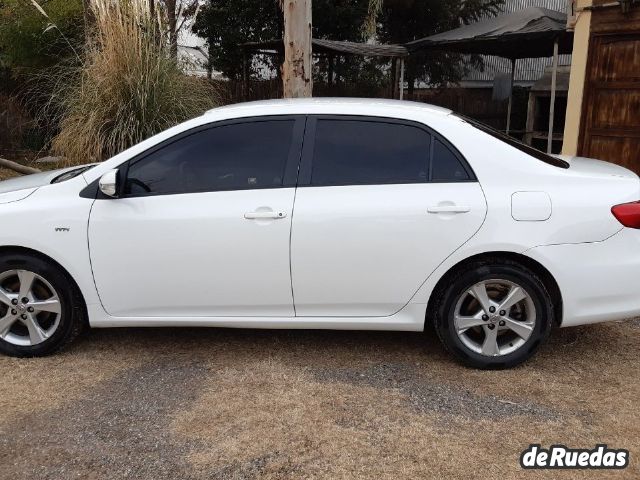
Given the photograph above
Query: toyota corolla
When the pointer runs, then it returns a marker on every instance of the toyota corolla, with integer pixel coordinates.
(323, 214)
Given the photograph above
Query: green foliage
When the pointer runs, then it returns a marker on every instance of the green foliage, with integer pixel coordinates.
(225, 24)
(26, 42)
(339, 19)
(402, 21)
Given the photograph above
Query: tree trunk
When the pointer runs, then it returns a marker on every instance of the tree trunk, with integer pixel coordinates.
(296, 69)
(173, 25)
(279, 58)
(210, 58)
(16, 167)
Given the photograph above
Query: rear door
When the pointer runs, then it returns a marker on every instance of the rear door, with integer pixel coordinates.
(380, 203)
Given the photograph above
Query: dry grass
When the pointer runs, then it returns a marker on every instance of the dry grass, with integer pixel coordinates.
(127, 88)
(6, 173)
(50, 382)
(227, 404)
(274, 418)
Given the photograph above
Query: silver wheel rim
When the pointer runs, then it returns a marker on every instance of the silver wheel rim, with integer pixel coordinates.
(30, 308)
(494, 317)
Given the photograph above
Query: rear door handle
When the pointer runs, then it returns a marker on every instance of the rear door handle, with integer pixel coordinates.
(258, 215)
(449, 209)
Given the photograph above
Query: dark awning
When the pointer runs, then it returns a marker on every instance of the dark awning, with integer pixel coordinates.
(527, 33)
(335, 46)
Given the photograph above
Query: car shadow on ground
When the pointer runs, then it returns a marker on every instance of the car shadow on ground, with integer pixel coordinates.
(378, 345)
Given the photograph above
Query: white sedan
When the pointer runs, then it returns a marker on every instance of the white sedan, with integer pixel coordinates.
(323, 214)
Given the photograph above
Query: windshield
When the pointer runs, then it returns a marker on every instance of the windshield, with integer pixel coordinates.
(523, 147)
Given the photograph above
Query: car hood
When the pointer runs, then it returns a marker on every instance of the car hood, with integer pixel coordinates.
(33, 180)
(19, 188)
(596, 168)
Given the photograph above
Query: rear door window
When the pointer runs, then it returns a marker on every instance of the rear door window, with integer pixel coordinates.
(364, 152)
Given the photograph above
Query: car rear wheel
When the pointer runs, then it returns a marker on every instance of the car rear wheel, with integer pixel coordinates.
(494, 315)
(39, 308)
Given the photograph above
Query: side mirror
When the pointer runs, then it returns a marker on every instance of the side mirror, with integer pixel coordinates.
(109, 183)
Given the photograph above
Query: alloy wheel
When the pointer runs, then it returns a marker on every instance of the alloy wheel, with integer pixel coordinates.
(30, 308)
(494, 317)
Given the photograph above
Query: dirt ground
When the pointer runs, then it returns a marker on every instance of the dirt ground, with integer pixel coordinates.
(234, 404)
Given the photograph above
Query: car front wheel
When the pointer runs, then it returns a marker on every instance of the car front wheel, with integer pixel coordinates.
(494, 315)
(39, 308)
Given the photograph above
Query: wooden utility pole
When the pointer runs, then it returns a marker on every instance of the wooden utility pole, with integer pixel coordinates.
(297, 66)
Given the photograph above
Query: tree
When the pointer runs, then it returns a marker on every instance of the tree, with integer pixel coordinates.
(401, 21)
(172, 19)
(339, 19)
(225, 24)
(177, 12)
(335, 21)
(28, 39)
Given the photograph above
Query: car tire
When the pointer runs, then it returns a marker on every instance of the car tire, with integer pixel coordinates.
(53, 309)
(467, 322)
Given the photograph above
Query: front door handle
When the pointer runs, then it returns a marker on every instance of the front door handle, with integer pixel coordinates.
(449, 209)
(261, 215)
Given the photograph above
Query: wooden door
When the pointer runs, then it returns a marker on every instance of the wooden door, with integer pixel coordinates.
(612, 100)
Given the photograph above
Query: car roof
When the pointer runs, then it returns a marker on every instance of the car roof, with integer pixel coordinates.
(344, 106)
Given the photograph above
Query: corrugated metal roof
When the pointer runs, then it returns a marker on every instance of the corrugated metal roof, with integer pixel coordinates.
(527, 33)
(328, 46)
(528, 70)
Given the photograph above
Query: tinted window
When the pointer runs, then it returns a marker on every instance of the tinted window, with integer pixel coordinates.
(368, 152)
(446, 166)
(228, 157)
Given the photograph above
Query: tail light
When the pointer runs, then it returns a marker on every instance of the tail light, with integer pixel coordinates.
(628, 214)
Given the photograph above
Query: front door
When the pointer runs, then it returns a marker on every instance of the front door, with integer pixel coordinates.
(385, 202)
(203, 225)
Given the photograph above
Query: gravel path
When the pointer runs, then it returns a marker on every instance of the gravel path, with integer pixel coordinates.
(119, 430)
(427, 395)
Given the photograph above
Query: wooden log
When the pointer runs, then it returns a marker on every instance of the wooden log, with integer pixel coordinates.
(16, 167)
